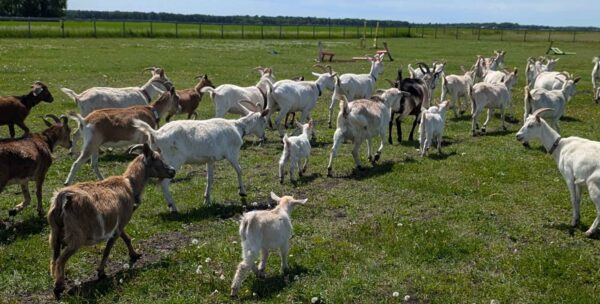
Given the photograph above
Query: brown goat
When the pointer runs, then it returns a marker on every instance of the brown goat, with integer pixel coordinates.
(115, 127)
(88, 213)
(14, 109)
(189, 99)
(30, 158)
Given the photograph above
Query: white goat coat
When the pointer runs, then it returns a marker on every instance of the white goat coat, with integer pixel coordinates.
(432, 127)
(227, 97)
(295, 149)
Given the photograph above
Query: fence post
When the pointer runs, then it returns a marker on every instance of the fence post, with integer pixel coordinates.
(358, 32)
(95, 34)
(479, 33)
(262, 36)
(297, 31)
(29, 27)
(457, 33)
(525, 36)
(123, 28)
(62, 27)
(279, 31)
(242, 31)
(574, 36)
(151, 29)
(176, 30)
(435, 33)
(501, 35)
(549, 35)
(222, 35)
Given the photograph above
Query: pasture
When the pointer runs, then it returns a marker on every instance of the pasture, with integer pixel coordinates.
(487, 220)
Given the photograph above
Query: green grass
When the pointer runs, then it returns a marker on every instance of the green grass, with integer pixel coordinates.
(487, 220)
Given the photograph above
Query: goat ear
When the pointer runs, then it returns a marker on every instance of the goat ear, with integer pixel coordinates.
(48, 124)
(275, 197)
(147, 152)
(172, 91)
(576, 79)
(301, 202)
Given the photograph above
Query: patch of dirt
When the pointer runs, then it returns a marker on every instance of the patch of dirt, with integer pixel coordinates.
(153, 250)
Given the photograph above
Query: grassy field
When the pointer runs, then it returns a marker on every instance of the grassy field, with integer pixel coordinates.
(487, 220)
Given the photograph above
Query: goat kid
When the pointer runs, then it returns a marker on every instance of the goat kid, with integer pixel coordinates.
(489, 96)
(262, 231)
(457, 87)
(189, 99)
(432, 127)
(296, 149)
(86, 214)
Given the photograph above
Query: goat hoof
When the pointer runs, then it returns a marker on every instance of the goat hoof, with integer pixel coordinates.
(377, 156)
(575, 223)
(58, 291)
(329, 172)
(101, 275)
(589, 233)
(243, 194)
(482, 130)
(526, 145)
(134, 258)
(12, 212)
(281, 181)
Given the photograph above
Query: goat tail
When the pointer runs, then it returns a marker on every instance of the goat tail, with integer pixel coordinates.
(473, 103)
(422, 131)
(59, 203)
(211, 91)
(71, 94)
(344, 108)
(77, 117)
(245, 226)
(145, 128)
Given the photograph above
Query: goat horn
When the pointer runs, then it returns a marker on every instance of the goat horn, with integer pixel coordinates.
(540, 111)
(133, 148)
(199, 76)
(330, 69)
(54, 117)
(423, 64)
(320, 66)
(149, 69)
(258, 68)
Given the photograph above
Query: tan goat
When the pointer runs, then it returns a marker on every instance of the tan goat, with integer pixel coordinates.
(88, 213)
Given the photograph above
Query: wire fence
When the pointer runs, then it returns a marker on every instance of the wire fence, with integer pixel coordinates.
(55, 28)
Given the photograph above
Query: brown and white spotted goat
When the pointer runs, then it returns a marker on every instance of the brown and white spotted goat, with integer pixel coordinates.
(88, 213)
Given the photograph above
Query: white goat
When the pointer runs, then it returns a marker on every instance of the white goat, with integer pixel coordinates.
(298, 96)
(296, 149)
(489, 96)
(457, 86)
(203, 142)
(596, 79)
(262, 231)
(419, 73)
(555, 99)
(229, 98)
(357, 86)
(432, 127)
(553, 81)
(106, 97)
(577, 160)
(508, 78)
(363, 119)
(496, 61)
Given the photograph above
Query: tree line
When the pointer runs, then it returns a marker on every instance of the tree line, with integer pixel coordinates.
(33, 8)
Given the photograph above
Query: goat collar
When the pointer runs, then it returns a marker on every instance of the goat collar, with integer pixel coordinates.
(373, 76)
(264, 95)
(319, 89)
(155, 113)
(146, 95)
(554, 146)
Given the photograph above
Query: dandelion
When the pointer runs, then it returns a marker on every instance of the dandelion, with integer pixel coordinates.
(234, 242)
(395, 294)
(126, 266)
(77, 283)
(222, 277)
(120, 281)
(296, 278)
(314, 300)
(194, 241)
(207, 260)
(406, 297)
(199, 269)
(494, 301)
(399, 224)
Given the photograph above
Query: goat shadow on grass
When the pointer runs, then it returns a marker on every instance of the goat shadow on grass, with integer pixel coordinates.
(572, 230)
(407, 143)
(206, 212)
(94, 289)
(461, 118)
(569, 119)
(305, 179)
(376, 170)
(272, 285)
(10, 232)
(437, 156)
(496, 132)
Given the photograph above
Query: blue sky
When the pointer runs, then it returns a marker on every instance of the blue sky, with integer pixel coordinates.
(538, 12)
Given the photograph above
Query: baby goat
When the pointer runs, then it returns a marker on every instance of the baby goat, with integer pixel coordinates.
(295, 149)
(432, 127)
(86, 214)
(14, 109)
(25, 159)
(577, 160)
(189, 99)
(262, 231)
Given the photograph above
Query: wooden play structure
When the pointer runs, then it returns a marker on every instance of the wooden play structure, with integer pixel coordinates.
(556, 51)
(324, 55)
(385, 51)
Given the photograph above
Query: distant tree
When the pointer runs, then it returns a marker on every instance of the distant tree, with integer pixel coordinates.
(33, 8)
